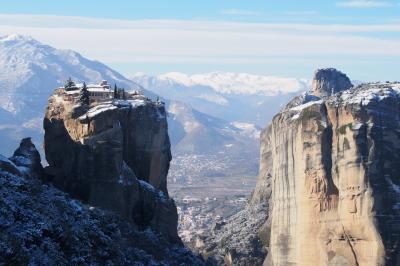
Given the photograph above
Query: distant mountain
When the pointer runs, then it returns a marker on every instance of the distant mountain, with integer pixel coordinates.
(199, 133)
(223, 94)
(30, 71)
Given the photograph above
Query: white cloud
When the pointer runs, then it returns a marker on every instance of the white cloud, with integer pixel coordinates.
(363, 4)
(301, 13)
(240, 12)
(212, 42)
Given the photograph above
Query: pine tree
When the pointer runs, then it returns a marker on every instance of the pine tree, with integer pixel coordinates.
(69, 85)
(123, 94)
(84, 95)
(115, 91)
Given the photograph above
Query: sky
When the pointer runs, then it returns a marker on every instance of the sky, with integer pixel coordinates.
(282, 38)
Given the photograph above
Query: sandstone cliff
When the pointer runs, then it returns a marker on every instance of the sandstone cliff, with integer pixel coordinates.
(335, 176)
(328, 190)
(41, 225)
(114, 155)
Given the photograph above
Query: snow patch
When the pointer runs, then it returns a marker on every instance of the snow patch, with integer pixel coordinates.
(371, 92)
(250, 130)
(306, 105)
(214, 98)
(152, 189)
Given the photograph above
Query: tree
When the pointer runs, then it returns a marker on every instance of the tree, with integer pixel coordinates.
(84, 95)
(69, 85)
(123, 94)
(115, 91)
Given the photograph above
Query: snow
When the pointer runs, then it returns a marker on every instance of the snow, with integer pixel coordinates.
(149, 187)
(296, 116)
(356, 126)
(135, 103)
(248, 129)
(305, 105)
(111, 105)
(22, 57)
(370, 92)
(15, 37)
(177, 77)
(214, 98)
(100, 108)
(41, 225)
(233, 83)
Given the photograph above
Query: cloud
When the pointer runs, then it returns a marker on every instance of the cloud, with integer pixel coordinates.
(364, 4)
(301, 13)
(204, 42)
(240, 12)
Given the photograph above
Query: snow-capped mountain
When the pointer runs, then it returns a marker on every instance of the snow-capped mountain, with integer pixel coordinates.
(223, 94)
(30, 71)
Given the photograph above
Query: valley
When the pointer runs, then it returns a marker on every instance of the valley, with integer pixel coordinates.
(206, 196)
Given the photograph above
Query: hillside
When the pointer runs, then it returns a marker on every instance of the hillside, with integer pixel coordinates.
(44, 226)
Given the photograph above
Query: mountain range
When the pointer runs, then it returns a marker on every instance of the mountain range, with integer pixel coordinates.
(203, 109)
(222, 94)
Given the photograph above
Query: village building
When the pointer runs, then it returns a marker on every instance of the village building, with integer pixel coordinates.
(99, 92)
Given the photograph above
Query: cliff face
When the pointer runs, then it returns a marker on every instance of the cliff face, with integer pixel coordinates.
(41, 225)
(335, 176)
(114, 155)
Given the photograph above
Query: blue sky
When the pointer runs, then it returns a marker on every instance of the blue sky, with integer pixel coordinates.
(255, 11)
(286, 38)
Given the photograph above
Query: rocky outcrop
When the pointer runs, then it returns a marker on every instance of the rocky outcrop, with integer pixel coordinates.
(329, 81)
(40, 225)
(28, 160)
(335, 176)
(114, 155)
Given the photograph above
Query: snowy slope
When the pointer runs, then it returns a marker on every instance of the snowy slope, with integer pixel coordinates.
(30, 71)
(223, 94)
(199, 133)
